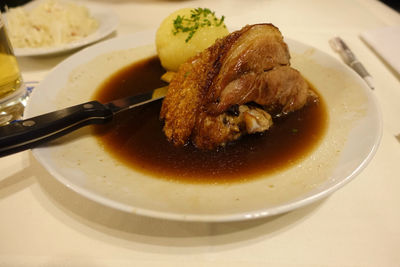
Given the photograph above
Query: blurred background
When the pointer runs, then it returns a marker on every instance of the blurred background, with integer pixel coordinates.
(395, 4)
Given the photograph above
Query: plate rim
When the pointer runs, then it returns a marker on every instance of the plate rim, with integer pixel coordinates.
(238, 216)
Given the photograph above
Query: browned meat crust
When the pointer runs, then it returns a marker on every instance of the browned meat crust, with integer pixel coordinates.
(188, 88)
(249, 65)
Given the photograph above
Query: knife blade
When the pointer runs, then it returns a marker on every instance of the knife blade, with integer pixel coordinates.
(29, 133)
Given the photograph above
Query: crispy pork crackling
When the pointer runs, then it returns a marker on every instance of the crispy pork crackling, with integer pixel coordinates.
(233, 88)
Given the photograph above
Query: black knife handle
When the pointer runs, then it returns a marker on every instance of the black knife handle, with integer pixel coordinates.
(26, 134)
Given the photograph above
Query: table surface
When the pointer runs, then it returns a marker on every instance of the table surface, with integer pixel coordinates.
(43, 223)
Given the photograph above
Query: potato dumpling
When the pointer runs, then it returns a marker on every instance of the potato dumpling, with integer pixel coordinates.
(186, 32)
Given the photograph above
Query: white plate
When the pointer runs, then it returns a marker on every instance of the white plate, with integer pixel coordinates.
(108, 22)
(79, 162)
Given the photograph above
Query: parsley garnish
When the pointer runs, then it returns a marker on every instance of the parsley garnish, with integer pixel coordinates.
(198, 18)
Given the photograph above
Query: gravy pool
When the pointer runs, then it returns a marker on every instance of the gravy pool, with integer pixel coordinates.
(135, 137)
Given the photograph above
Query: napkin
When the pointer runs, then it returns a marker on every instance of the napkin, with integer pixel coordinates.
(386, 43)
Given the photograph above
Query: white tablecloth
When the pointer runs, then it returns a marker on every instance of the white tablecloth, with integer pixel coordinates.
(43, 223)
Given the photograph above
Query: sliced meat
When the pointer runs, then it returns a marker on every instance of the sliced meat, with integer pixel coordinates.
(248, 66)
(282, 87)
(259, 48)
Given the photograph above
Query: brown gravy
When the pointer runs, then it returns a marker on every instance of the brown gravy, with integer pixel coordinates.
(136, 138)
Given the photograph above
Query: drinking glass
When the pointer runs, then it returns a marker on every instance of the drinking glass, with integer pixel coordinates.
(13, 93)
